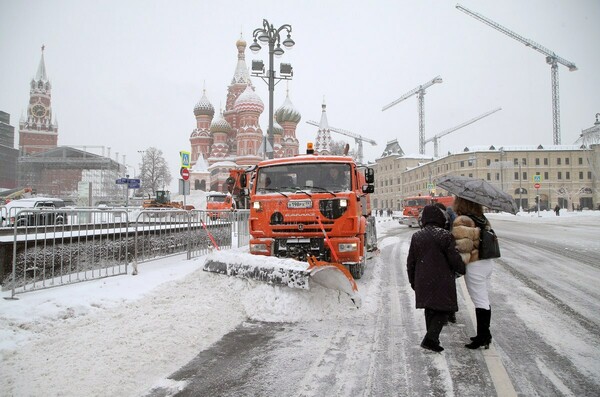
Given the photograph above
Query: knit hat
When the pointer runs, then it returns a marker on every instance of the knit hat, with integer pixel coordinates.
(433, 215)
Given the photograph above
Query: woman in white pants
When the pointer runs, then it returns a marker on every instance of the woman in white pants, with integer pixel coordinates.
(466, 230)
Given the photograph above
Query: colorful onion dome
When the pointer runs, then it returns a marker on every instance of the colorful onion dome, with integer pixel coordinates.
(204, 107)
(219, 124)
(249, 101)
(287, 112)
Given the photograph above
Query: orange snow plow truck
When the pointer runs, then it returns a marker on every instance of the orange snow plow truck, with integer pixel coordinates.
(312, 210)
(411, 214)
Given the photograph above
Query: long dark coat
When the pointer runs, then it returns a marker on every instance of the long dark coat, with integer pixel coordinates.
(433, 262)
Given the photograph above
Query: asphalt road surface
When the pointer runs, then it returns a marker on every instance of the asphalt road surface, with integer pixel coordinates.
(545, 324)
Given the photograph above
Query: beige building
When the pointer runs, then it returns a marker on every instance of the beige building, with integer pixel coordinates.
(566, 174)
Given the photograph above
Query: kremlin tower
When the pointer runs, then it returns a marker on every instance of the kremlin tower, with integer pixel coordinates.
(38, 132)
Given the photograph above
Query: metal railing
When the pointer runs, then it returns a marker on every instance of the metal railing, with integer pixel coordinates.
(52, 247)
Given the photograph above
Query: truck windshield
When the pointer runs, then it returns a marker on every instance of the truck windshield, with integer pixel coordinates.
(318, 177)
(216, 199)
(416, 202)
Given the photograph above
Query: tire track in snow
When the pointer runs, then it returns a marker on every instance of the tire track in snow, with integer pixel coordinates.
(586, 323)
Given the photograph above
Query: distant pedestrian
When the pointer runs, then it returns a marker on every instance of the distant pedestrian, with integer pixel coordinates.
(557, 210)
(432, 264)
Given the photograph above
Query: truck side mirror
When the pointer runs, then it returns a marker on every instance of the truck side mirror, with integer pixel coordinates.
(368, 188)
(369, 175)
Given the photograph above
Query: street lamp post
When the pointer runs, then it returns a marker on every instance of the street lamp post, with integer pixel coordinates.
(271, 36)
(520, 188)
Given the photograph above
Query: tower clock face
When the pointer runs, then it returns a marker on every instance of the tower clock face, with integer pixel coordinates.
(38, 110)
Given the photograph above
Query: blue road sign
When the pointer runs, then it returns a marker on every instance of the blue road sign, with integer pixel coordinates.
(121, 181)
(133, 184)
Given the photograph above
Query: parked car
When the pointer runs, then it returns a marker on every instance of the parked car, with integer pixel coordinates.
(41, 217)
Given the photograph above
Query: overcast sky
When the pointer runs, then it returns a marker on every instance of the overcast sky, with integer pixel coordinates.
(127, 74)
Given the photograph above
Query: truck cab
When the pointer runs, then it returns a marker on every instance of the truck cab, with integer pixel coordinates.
(313, 205)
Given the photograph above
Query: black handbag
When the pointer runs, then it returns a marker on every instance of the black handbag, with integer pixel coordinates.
(488, 244)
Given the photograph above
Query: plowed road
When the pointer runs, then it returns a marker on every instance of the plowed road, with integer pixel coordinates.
(545, 324)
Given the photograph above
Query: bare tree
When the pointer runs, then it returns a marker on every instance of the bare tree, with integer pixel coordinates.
(154, 171)
(571, 194)
(339, 147)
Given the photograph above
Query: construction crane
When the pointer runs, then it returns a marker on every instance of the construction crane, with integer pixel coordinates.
(357, 138)
(551, 58)
(420, 91)
(435, 138)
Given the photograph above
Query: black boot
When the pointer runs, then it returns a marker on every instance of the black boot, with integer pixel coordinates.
(431, 345)
(452, 317)
(434, 320)
(484, 337)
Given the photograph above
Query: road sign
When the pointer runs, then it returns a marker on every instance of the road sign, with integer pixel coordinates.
(185, 159)
(121, 181)
(133, 183)
(537, 185)
(537, 179)
(185, 173)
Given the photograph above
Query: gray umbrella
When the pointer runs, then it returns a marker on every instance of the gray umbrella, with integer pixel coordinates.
(479, 191)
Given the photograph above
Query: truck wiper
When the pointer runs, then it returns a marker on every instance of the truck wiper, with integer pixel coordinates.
(296, 189)
(274, 189)
(321, 189)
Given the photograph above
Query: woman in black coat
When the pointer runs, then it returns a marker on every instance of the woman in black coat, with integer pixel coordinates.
(432, 264)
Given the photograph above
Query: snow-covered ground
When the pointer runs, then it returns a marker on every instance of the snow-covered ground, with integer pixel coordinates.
(122, 335)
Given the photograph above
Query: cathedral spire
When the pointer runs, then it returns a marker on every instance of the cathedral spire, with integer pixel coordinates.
(241, 75)
(41, 71)
(323, 145)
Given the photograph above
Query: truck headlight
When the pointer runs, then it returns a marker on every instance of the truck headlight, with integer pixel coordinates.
(343, 203)
(261, 247)
(347, 247)
(257, 205)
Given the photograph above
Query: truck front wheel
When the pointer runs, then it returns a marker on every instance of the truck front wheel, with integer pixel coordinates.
(358, 269)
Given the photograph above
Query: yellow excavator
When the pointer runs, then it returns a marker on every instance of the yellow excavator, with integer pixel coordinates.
(162, 199)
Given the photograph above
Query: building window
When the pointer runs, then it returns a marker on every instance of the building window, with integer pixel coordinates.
(589, 174)
(559, 175)
(470, 175)
(580, 161)
(497, 176)
(462, 164)
(488, 161)
(566, 160)
(581, 175)
(516, 176)
(524, 176)
(537, 161)
(558, 161)
(567, 175)
(516, 162)
(545, 176)
(523, 161)
(546, 161)
(489, 176)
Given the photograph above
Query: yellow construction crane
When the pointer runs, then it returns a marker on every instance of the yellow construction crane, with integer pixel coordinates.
(420, 91)
(551, 58)
(436, 137)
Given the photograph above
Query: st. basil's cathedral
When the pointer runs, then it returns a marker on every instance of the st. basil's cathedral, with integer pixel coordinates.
(233, 138)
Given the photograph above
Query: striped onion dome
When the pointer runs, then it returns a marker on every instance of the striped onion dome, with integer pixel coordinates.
(219, 124)
(277, 128)
(287, 112)
(249, 101)
(204, 107)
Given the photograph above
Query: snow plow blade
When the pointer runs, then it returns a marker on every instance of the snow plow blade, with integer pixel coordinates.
(287, 272)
